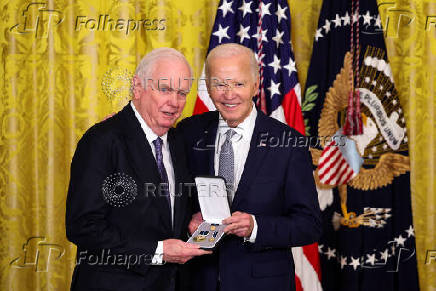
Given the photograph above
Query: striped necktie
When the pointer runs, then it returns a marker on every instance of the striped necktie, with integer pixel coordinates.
(163, 173)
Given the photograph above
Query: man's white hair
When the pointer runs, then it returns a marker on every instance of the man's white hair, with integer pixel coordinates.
(230, 50)
(145, 68)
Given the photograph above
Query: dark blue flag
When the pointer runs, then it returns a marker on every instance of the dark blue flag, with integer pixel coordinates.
(363, 180)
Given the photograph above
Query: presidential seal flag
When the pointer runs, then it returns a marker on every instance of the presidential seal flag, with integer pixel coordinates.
(265, 27)
(361, 162)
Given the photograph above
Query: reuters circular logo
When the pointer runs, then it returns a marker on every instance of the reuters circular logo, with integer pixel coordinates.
(119, 190)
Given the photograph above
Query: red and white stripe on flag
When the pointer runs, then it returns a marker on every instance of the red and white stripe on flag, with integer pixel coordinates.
(203, 102)
(333, 168)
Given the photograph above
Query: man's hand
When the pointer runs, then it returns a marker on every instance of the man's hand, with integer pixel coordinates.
(195, 222)
(240, 224)
(177, 251)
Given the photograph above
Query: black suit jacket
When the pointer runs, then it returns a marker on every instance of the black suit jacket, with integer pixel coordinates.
(276, 186)
(117, 150)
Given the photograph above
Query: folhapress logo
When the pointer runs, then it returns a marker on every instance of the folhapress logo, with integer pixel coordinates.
(38, 254)
(430, 257)
(37, 19)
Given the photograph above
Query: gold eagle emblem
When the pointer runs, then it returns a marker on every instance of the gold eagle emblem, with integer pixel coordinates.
(382, 163)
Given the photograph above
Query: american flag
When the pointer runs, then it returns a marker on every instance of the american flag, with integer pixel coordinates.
(340, 161)
(265, 27)
(333, 168)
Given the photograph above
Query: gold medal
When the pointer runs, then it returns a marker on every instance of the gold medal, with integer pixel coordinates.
(212, 227)
(199, 238)
(211, 239)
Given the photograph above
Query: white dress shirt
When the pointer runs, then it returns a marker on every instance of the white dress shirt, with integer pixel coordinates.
(168, 164)
(241, 146)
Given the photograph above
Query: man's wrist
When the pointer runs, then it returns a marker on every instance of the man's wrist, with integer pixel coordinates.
(253, 235)
(158, 254)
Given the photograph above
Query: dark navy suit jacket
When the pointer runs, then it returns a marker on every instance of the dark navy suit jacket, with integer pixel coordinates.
(276, 186)
(119, 145)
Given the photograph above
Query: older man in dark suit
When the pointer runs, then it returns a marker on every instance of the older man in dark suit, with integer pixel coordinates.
(271, 188)
(128, 204)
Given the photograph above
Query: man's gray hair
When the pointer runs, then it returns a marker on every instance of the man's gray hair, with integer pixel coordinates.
(145, 67)
(230, 50)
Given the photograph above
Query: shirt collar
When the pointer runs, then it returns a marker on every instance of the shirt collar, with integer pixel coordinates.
(149, 134)
(245, 128)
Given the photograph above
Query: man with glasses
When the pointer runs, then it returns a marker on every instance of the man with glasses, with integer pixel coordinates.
(128, 204)
(271, 189)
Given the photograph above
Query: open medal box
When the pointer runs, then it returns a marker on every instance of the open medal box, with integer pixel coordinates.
(212, 197)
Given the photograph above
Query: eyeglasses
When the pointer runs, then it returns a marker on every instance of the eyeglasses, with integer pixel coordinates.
(168, 91)
(223, 86)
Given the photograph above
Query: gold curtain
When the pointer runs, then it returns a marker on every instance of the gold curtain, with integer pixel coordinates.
(66, 64)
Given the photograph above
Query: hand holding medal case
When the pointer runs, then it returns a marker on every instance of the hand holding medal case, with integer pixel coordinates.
(212, 197)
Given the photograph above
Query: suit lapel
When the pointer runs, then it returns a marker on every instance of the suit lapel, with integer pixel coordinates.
(143, 161)
(207, 145)
(203, 147)
(255, 157)
(178, 197)
(210, 137)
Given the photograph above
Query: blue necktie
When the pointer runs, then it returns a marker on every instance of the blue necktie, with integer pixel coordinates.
(227, 164)
(163, 173)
